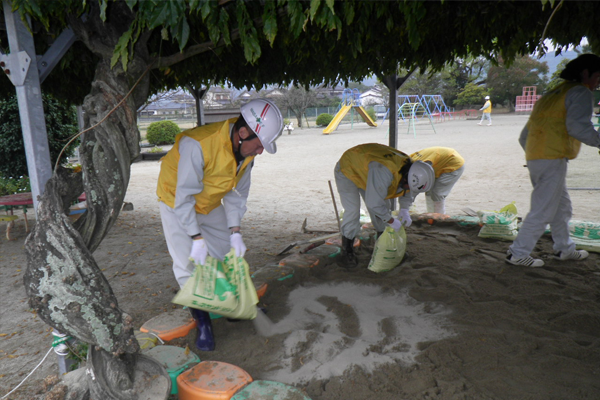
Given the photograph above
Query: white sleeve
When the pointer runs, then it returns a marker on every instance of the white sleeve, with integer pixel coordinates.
(235, 201)
(580, 107)
(379, 180)
(407, 200)
(190, 172)
(523, 136)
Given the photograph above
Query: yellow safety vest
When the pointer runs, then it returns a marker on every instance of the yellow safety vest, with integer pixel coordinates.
(220, 166)
(443, 159)
(548, 138)
(354, 164)
(487, 107)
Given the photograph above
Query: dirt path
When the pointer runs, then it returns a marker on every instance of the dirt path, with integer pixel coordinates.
(453, 322)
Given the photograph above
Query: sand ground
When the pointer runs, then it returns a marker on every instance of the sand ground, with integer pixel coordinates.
(453, 322)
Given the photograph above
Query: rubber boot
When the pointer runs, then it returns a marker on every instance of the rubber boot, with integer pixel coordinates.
(348, 251)
(205, 340)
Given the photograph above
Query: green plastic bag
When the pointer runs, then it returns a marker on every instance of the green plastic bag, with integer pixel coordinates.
(223, 288)
(389, 250)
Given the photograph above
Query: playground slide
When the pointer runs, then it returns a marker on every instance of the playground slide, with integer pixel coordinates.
(365, 116)
(336, 120)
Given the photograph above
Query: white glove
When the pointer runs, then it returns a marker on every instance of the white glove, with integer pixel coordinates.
(405, 217)
(238, 244)
(396, 225)
(199, 251)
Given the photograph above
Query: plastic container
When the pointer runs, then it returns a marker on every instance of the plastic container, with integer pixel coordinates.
(298, 260)
(212, 380)
(269, 390)
(325, 251)
(175, 360)
(261, 288)
(145, 339)
(170, 325)
(272, 272)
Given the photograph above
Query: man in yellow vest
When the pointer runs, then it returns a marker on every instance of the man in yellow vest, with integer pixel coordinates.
(559, 123)
(448, 167)
(203, 187)
(487, 111)
(377, 173)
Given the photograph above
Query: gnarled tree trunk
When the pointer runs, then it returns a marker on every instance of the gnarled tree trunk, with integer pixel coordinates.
(64, 284)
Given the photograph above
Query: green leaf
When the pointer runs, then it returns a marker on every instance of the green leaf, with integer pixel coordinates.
(158, 15)
(270, 22)
(248, 34)
(330, 4)
(297, 17)
(121, 50)
(183, 33)
(103, 5)
(314, 8)
(224, 25)
(206, 8)
(131, 3)
(214, 28)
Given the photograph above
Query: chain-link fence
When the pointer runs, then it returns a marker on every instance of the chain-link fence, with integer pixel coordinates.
(188, 120)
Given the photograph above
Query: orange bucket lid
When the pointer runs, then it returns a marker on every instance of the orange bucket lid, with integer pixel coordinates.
(211, 380)
(261, 288)
(170, 325)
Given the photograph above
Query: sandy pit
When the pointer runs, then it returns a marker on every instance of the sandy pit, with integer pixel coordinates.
(452, 322)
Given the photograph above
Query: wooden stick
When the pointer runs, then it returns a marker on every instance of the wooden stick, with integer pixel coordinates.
(337, 215)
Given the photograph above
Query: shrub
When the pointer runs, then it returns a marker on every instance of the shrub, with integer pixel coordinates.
(324, 119)
(371, 113)
(162, 132)
(14, 185)
(61, 125)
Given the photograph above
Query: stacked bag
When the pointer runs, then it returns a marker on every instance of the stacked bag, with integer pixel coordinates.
(586, 235)
(499, 224)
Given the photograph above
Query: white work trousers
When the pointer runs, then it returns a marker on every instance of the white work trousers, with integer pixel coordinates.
(487, 116)
(444, 184)
(214, 231)
(550, 204)
(350, 196)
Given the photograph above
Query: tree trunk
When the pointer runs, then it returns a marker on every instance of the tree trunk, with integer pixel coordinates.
(298, 118)
(64, 284)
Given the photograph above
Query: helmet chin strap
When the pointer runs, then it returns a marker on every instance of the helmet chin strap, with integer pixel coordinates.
(238, 153)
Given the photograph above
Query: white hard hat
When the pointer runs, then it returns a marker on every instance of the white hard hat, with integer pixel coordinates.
(265, 120)
(420, 177)
(487, 97)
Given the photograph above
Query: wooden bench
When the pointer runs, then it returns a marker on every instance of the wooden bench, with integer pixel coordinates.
(9, 203)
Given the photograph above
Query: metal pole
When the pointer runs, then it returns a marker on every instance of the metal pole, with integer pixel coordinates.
(29, 96)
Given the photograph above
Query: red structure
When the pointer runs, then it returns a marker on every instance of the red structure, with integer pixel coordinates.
(526, 101)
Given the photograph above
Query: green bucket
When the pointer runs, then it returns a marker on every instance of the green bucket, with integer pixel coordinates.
(269, 390)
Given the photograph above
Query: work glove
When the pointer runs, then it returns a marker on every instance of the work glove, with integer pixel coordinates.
(199, 251)
(396, 224)
(405, 217)
(237, 244)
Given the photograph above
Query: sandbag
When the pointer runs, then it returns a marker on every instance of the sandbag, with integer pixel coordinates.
(499, 224)
(222, 288)
(586, 235)
(389, 250)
